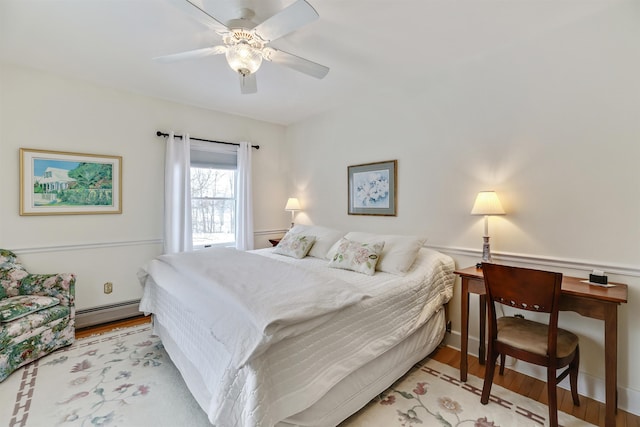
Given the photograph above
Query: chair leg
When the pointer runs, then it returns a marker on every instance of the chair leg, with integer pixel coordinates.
(490, 369)
(573, 377)
(552, 394)
(503, 360)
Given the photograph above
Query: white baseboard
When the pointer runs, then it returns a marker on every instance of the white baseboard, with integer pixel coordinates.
(588, 385)
(107, 313)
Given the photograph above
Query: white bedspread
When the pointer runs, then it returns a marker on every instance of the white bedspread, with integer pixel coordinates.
(294, 373)
(244, 308)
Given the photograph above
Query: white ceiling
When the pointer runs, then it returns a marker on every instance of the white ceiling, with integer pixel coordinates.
(371, 46)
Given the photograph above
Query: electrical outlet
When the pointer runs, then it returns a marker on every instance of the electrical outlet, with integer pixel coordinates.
(108, 288)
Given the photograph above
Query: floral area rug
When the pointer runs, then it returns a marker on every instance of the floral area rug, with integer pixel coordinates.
(126, 379)
(431, 394)
(123, 378)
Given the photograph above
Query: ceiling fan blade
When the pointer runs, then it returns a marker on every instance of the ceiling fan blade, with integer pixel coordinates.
(248, 84)
(289, 19)
(299, 64)
(191, 54)
(196, 10)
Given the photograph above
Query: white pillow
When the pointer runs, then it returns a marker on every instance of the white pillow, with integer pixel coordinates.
(295, 245)
(399, 251)
(356, 256)
(325, 238)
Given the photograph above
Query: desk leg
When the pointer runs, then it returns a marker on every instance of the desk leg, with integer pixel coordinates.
(611, 363)
(464, 333)
(483, 328)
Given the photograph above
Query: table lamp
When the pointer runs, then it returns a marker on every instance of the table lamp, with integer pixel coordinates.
(293, 205)
(487, 203)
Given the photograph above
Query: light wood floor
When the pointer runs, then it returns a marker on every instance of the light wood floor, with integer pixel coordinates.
(589, 410)
(106, 327)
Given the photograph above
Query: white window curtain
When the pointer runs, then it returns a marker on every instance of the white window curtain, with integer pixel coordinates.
(177, 195)
(244, 204)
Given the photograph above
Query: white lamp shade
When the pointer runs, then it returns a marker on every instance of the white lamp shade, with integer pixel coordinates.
(292, 205)
(487, 203)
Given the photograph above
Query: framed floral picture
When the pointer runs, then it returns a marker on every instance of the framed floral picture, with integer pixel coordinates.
(63, 183)
(372, 188)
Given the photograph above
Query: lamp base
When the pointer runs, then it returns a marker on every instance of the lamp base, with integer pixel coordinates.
(486, 250)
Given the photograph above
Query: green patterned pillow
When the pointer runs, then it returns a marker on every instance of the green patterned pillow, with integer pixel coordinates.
(16, 307)
(356, 256)
(295, 245)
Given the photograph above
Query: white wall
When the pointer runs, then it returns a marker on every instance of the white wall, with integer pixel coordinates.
(552, 125)
(44, 111)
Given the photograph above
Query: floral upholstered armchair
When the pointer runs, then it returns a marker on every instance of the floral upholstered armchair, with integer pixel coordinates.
(37, 313)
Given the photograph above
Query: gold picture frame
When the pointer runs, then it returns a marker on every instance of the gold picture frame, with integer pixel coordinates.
(64, 183)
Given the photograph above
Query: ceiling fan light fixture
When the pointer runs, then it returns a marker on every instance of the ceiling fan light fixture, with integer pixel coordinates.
(245, 42)
(243, 58)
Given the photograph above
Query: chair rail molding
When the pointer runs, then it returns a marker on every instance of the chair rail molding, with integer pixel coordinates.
(115, 244)
(537, 260)
(270, 232)
(84, 246)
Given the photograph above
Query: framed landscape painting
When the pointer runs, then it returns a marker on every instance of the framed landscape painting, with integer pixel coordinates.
(372, 188)
(62, 183)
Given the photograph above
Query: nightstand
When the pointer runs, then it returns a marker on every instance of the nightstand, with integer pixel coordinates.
(274, 242)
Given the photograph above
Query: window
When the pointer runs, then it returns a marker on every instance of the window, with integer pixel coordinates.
(213, 198)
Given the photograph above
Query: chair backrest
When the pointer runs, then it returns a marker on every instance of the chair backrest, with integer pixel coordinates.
(525, 289)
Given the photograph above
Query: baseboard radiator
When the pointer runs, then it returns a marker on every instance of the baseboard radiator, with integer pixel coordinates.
(106, 313)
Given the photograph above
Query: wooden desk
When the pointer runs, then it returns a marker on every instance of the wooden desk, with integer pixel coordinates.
(588, 300)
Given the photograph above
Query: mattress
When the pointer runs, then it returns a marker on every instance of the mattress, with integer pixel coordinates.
(296, 373)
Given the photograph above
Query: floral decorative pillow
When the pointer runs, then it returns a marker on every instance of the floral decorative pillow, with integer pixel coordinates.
(295, 245)
(399, 251)
(325, 238)
(16, 307)
(356, 256)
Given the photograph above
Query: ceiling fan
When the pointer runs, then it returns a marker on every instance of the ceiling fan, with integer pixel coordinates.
(245, 44)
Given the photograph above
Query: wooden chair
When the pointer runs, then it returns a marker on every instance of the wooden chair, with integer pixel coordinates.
(531, 341)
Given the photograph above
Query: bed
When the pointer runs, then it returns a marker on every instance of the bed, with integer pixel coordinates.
(307, 366)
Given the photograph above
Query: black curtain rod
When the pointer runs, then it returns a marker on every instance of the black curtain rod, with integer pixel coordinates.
(158, 133)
